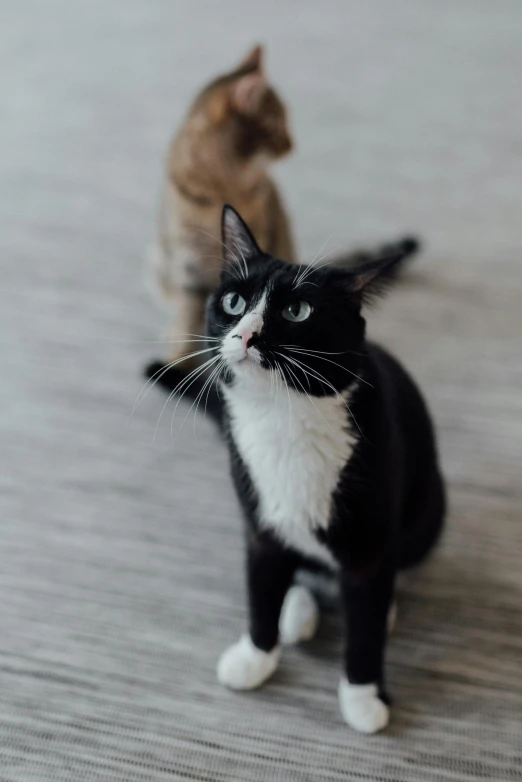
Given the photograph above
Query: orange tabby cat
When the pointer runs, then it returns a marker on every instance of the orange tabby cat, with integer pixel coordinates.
(234, 130)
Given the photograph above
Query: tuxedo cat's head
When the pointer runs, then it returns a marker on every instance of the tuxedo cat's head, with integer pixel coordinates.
(303, 323)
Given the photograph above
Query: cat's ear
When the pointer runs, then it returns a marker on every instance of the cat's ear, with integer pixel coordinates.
(253, 61)
(238, 243)
(372, 278)
(248, 91)
(243, 96)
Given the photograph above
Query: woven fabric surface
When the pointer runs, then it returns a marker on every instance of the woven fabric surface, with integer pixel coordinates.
(121, 575)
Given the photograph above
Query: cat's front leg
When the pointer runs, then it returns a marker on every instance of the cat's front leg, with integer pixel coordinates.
(254, 658)
(366, 602)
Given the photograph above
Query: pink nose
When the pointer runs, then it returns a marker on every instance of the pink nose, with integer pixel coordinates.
(245, 335)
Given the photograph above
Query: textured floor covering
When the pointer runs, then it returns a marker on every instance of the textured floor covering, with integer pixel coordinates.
(120, 560)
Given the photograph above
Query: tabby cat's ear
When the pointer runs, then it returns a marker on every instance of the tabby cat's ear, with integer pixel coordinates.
(238, 243)
(373, 277)
(253, 61)
(248, 91)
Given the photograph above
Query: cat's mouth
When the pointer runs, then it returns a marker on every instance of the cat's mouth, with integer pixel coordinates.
(240, 357)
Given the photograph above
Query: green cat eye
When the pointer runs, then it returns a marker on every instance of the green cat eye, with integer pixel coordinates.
(297, 311)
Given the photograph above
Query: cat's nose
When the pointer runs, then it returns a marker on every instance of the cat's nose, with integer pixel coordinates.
(253, 338)
(247, 336)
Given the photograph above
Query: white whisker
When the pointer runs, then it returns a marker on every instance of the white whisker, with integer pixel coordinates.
(190, 377)
(301, 272)
(185, 385)
(199, 397)
(322, 358)
(216, 381)
(215, 238)
(159, 374)
(219, 268)
(324, 352)
(305, 392)
(134, 341)
(287, 390)
(238, 248)
(313, 268)
(201, 336)
(306, 376)
(317, 376)
(168, 341)
(271, 377)
(236, 259)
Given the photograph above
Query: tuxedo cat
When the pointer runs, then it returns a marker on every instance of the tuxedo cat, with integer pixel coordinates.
(332, 452)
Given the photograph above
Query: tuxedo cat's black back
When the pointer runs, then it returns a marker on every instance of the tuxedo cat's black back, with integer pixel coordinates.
(393, 471)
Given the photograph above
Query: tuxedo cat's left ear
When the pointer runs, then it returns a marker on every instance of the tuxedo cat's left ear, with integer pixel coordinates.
(372, 278)
(238, 243)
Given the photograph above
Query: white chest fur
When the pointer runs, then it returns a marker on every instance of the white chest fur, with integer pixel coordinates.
(294, 450)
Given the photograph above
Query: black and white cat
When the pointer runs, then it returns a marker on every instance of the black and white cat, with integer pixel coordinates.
(333, 458)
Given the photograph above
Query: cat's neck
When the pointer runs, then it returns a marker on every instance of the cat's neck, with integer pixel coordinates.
(261, 395)
(219, 173)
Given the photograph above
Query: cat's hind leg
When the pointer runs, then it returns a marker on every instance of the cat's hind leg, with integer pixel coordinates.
(424, 521)
(299, 616)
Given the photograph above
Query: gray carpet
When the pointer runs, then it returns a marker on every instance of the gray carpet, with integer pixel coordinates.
(120, 558)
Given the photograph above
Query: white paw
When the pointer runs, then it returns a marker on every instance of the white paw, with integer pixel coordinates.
(299, 616)
(362, 708)
(392, 617)
(244, 667)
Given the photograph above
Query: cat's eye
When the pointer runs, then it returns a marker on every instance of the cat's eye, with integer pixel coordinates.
(297, 311)
(233, 303)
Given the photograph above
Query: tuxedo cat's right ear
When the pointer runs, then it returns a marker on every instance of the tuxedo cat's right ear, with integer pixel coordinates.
(372, 278)
(237, 241)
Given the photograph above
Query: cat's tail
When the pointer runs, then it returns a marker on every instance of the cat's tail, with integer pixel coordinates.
(407, 247)
(178, 383)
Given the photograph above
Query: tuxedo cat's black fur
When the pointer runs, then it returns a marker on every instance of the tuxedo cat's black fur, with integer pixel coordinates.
(386, 505)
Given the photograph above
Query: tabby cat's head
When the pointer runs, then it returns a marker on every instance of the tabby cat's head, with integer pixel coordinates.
(235, 127)
(304, 323)
(245, 106)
